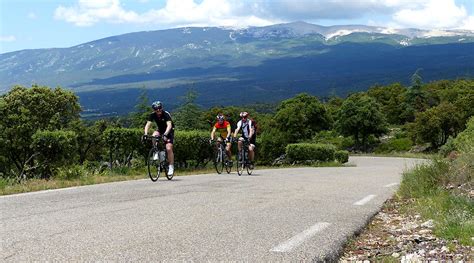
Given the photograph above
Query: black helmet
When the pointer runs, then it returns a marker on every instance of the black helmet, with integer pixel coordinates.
(157, 105)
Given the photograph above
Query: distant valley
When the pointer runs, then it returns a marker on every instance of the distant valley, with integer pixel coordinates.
(239, 66)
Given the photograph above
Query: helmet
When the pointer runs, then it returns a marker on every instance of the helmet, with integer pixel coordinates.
(220, 117)
(244, 114)
(157, 105)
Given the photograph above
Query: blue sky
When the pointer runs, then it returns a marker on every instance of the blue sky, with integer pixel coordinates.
(30, 24)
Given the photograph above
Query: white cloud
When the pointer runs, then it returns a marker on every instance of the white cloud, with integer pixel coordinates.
(7, 38)
(432, 14)
(175, 13)
(396, 13)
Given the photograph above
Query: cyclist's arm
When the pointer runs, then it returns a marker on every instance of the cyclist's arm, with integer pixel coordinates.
(251, 129)
(147, 127)
(213, 133)
(229, 131)
(236, 131)
(169, 125)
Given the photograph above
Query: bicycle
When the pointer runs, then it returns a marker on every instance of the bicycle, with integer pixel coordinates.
(243, 159)
(221, 159)
(157, 161)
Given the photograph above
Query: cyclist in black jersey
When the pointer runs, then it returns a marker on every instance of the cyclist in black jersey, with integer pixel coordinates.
(248, 133)
(165, 129)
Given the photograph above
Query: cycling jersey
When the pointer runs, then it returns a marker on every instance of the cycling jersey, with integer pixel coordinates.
(245, 126)
(222, 128)
(161, 121)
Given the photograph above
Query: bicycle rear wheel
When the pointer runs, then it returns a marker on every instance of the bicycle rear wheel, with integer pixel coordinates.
(153, 164)
(241, 163)
(219, 162)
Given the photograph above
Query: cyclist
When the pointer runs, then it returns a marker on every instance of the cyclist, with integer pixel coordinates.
(223, 128)
(248, 134)
(165, 129)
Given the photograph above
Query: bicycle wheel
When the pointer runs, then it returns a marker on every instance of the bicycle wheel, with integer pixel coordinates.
(218, 162)
(153, 164)
(249, 169)
(241, 163)
(164, 168)
(228, 165)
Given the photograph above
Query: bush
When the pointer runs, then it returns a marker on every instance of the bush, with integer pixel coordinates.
(271, 145)
(55, 148)
(447, 148)
(310, 152)
(331, 137)
(395, 145)
(464, 142)
(71, 172)
(341, 156)
(424, 179)
(192, 146)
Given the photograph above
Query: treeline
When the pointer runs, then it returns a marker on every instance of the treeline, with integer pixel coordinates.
(41, 132)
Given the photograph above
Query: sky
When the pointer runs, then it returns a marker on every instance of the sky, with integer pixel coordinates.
(32, 24)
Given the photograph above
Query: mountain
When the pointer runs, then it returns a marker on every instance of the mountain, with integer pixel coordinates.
(225, 65)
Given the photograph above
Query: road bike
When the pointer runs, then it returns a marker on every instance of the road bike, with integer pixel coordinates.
(221, 159)
(157, 160)
(243, 159)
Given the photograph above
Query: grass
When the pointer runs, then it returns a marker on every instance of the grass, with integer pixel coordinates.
(453, 213)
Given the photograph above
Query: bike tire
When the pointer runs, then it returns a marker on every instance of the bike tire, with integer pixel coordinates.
(241, 163)
(219, 162)
(228, 166)
(154, 169)
(249, 169)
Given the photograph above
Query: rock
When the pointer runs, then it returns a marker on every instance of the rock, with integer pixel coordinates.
(428, 224)
(444, 249)
(396, 255)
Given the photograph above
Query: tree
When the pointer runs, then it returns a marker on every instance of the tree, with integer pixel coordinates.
(360, 116)
(142, 110)
(436, 124)
(416, 97)
(189, 116)
(301, 117)
(25, 111)
(392, 99)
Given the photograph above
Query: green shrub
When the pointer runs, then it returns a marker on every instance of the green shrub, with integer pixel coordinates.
(395, 145)
(341, 156)
(447, 148)
(71, 172)
(270, 145)
(464, 142)
(123, 143)
(310, 152)
(192, 146)
(331, 137)
(55, 148)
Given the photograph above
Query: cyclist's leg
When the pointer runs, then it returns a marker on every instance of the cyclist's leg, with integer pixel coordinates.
(228, 149)
(169, 148)
(252, 148)
(155, 133)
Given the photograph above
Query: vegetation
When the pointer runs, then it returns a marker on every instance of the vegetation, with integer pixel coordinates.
(43, 137)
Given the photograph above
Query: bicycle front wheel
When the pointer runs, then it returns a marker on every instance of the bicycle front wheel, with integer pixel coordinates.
(164, 168)
(153, 163)
(241, 163)
(250, 169)
(219, 163)
(228, 165)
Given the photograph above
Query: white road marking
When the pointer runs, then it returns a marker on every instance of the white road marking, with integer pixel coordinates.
(364, 200)
(300, 238)
(390, 185)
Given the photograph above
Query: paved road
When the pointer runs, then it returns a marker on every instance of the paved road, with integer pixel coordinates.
(302, 214)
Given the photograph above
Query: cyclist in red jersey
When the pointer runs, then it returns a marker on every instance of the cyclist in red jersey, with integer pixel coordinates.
(222, 127)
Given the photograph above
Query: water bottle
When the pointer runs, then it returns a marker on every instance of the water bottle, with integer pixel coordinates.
(162, 156)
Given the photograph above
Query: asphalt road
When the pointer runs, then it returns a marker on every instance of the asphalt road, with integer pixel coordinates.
(301, 214)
